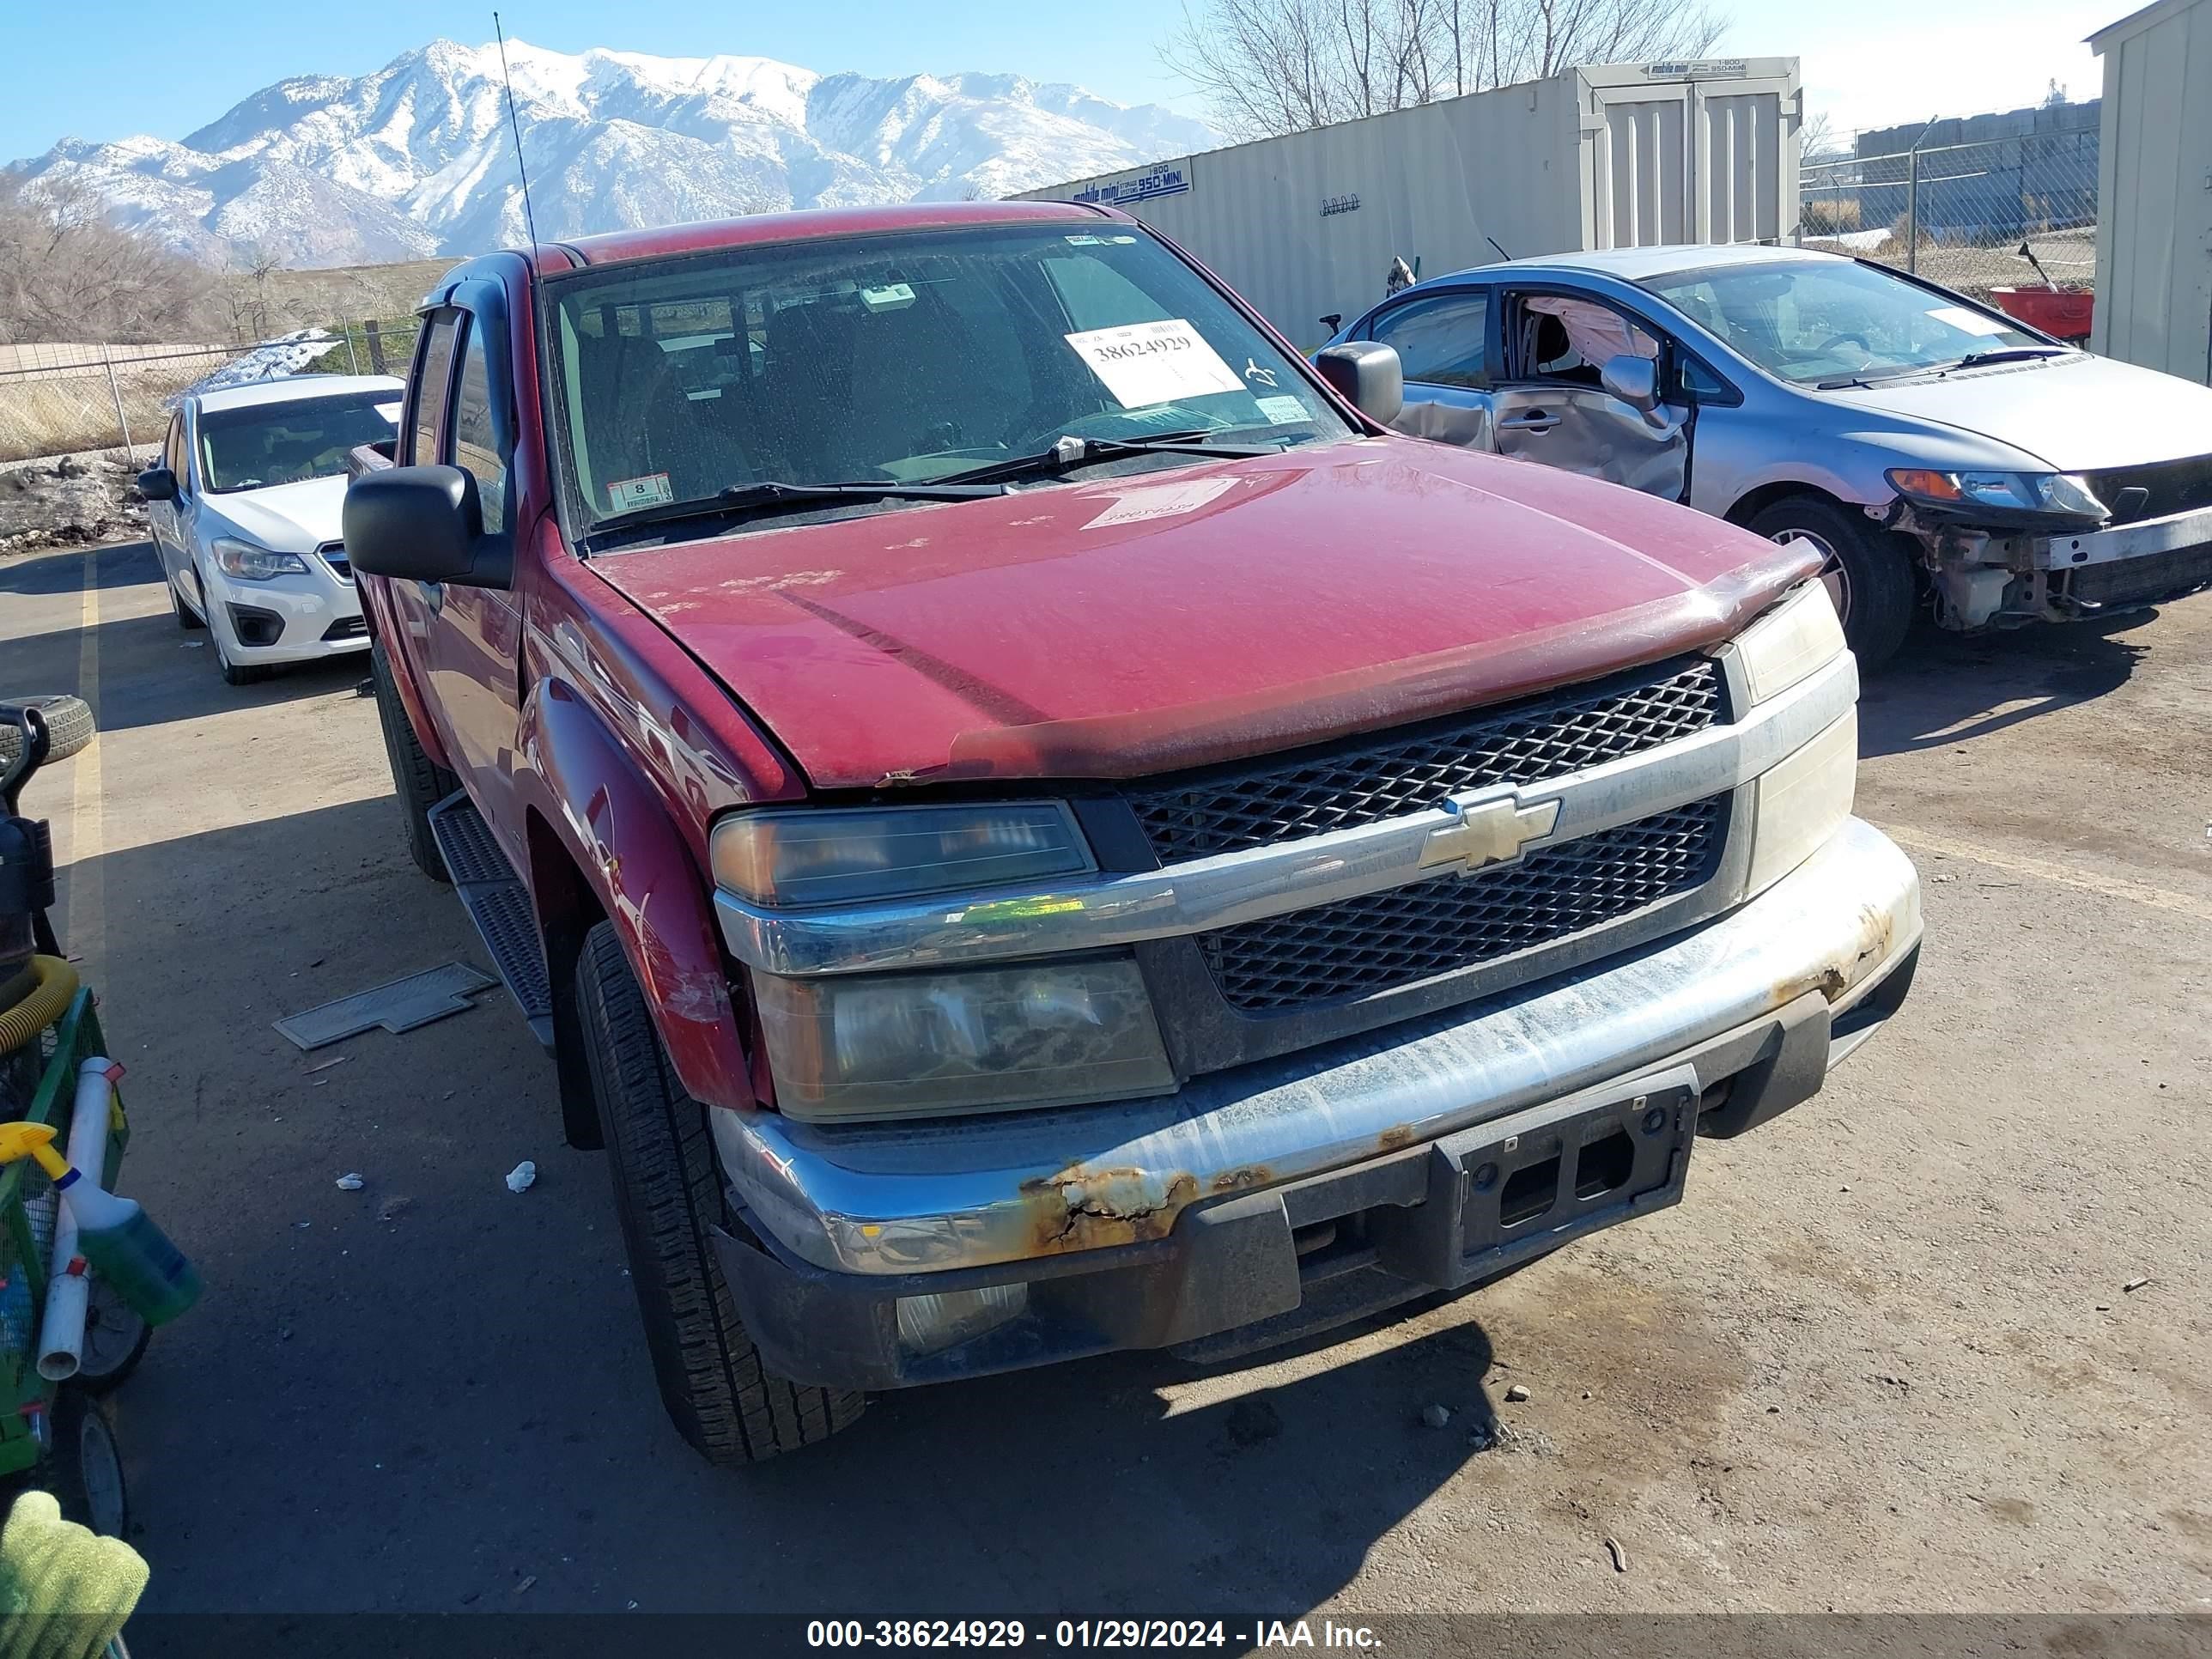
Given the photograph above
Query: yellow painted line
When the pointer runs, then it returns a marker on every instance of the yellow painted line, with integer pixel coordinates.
(2087, 881)
(88, 878)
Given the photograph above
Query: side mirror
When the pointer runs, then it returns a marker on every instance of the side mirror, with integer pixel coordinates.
(158, 484)
(1366, 375)
(1633, 379)
(423, 523)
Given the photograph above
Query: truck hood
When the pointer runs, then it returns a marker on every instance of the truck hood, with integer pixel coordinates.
(292, 517)
(2075, 414)
(1141, 623)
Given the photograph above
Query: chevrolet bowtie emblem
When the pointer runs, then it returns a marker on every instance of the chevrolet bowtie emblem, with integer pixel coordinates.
(1486, 832)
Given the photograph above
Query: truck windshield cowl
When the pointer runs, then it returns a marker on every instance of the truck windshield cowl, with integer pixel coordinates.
(909, 359)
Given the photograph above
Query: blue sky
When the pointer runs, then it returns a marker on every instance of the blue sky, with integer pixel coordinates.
(137, 67)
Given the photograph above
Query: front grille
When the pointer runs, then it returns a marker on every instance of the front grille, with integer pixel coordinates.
(346, 627)
(2173, 486)
(334, 554)
(1407, 934)
(1226, 809)
(2150, 580)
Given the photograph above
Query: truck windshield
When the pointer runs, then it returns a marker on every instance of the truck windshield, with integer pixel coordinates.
(262, 444)
(908, 356)
(1832, 319)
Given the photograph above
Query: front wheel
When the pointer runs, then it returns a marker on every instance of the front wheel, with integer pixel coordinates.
(668, 1193)
(1866, 572)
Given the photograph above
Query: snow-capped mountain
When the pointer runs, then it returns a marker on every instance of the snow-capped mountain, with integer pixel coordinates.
(417, 160)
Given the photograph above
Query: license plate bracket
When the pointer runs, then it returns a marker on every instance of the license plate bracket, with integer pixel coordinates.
(1519, 1187)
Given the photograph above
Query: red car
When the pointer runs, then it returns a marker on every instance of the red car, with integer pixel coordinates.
(1031, 823)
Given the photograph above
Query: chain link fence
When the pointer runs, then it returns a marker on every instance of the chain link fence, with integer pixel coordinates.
(1990, 219)
(61, 399)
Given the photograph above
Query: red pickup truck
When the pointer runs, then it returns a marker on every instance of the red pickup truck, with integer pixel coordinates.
(1031, 823)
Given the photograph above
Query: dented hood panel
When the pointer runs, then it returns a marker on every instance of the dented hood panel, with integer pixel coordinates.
(1129, 625)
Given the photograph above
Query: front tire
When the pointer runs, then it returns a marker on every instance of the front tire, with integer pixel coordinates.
(668, 1193)
(420, 781)
(1866, 571)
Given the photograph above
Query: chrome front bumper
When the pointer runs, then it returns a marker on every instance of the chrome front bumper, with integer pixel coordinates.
(906, 1198)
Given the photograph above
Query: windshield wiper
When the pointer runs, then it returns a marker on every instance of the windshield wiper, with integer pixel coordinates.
(1069, 451)
(771, 493)
(1868, 377)
(2005, 354)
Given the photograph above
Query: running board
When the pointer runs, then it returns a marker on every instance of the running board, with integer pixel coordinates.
(499, 904)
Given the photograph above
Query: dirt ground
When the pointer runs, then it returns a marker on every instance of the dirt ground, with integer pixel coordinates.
(1883, 1358)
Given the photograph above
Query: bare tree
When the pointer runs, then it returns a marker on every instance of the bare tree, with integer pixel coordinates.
(1273, 66)
(68, 272)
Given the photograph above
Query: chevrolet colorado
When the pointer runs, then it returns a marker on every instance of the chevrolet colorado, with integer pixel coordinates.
(1032, 824)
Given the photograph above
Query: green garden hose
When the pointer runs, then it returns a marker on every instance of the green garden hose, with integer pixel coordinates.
(48, 1001)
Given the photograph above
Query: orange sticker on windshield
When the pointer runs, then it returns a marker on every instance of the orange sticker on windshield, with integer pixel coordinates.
(626, 495)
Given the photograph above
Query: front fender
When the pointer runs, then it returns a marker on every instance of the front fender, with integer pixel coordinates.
(622, 837)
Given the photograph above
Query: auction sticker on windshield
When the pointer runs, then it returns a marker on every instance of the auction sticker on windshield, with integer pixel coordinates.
(624, 494)
(1971, 321)
(1144, 363)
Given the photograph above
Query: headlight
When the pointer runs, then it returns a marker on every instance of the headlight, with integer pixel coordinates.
(2060, 492)
(914, 1045)
(1804, 801)
(250, 563)
(814, 856)
(1789, 643)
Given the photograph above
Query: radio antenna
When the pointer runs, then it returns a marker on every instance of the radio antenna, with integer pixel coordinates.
(514, 125)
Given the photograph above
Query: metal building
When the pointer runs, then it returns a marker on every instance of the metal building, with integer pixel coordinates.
(1619, 155)
(2154, 182)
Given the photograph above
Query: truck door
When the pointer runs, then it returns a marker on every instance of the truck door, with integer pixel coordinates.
(1444, 344)
(1549, 405)
(476, 632)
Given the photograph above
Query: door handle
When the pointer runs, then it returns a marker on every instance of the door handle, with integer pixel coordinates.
(1535, 420)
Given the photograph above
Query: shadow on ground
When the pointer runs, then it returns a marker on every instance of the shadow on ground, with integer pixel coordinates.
(1949, 688)
(420, 1394)
(39, 664)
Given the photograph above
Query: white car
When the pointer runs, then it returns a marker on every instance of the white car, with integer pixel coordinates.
(245, 508)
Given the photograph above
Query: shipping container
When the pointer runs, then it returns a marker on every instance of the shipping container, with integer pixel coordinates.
(2154, 219)
(1619, 155)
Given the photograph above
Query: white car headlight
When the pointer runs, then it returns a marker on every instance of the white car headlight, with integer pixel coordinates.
(1789, 643)
(2064, 494)
(838, 855)
(250, 562)
(917, 1045)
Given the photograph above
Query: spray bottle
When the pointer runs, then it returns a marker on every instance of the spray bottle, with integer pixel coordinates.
(115, 1235)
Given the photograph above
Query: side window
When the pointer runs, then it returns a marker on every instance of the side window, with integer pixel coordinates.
(1440, 340)
(472, 444)
(1701, 383)
(172, 450)
(431, 385)
(1568, 341)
